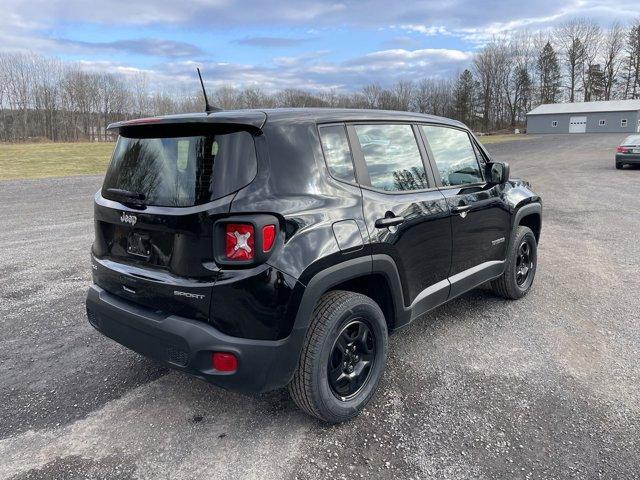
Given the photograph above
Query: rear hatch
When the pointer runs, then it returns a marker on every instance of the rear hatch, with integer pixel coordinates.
(164, 188)
(630, 146)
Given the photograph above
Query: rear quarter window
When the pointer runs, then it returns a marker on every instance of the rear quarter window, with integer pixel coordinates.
(337, 152)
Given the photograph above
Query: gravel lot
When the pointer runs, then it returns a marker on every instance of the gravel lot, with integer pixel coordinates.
(545, 387)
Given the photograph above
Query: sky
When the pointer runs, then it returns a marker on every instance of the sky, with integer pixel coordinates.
(271, 44)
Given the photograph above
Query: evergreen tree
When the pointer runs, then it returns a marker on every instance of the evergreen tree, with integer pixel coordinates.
(524, 87)
(464, 98)
(549, 74)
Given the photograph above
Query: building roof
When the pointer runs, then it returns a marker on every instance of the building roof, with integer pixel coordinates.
(586, 107)
(257, 117)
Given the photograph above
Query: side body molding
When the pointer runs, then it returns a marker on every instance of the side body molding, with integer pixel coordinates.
(382, 264)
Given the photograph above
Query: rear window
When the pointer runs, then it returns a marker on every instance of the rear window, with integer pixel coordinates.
(632, 140)
(179, 171)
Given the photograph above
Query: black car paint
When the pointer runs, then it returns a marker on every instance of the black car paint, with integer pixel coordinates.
(434, 255)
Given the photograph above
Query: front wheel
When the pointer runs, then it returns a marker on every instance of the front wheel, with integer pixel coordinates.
(520, 267)
(343, 357)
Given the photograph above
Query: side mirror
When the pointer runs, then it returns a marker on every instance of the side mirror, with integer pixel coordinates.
(497, 172)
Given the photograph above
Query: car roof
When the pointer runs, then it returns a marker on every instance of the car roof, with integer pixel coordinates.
(328, 115)
(257, 118)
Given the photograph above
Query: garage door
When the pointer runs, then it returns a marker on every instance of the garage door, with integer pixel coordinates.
(577, 124)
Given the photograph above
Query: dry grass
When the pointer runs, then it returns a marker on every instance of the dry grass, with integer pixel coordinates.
(39, 160)
(487, 139)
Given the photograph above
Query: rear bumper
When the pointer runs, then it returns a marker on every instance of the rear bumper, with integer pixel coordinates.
(186, 345)
(628, 159)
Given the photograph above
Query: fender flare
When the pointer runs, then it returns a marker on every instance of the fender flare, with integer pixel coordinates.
(341, 272)
(525, 210)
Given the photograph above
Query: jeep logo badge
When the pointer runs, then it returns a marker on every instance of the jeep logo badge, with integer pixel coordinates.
(130, 219)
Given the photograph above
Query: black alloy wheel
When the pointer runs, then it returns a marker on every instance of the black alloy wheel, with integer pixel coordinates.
(343, 357)
(352, 359)
(524, 262)
(520, 265)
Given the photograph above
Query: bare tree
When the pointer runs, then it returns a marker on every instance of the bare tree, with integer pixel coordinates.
(371, 94)
(484, 65)
(632, 70)
(575, 40)
(46, 97)
(592, 78)
(613, 45)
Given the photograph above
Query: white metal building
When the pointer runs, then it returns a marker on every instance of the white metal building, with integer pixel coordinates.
(614, 116)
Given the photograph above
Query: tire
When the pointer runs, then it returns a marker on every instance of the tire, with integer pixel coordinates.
(336, 317)
(511, 284)
(619, 166)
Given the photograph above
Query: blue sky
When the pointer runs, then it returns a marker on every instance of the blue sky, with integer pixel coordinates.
(275, 44)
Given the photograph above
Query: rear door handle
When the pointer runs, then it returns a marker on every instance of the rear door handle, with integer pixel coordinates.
(387, 222)
(460, 208)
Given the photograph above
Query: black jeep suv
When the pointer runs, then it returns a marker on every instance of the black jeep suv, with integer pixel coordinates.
(257, 249)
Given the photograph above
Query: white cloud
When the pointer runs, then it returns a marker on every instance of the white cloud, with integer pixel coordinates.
(279, 24)
(424, 29)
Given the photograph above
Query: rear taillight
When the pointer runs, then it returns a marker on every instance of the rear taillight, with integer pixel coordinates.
(239, 242)
(268, 237)
(622, 150)
(245, 240)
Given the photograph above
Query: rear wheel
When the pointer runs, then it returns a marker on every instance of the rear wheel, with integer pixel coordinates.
(343, 357)
(520, 267)
(619, 165)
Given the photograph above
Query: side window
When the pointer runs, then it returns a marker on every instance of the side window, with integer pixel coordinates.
(482, 159)
(337, 152)
(454, 155)
(392, 157)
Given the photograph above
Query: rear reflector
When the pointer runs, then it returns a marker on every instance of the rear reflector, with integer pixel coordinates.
(239, 241)
(224, 362)
(268, 237)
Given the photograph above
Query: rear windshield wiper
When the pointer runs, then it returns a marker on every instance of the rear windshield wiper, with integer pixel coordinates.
(126, 193)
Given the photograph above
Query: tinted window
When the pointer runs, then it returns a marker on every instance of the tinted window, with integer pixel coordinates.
(454, 155)
(392, 157)
(181, 171)
(337, 152)
(632, 140)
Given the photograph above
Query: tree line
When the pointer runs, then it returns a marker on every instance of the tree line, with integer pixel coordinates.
(45, 98)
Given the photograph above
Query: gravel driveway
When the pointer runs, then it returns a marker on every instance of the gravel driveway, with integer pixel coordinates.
(545, 387)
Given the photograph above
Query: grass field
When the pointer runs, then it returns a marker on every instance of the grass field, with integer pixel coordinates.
(39, 160)
(487, 139)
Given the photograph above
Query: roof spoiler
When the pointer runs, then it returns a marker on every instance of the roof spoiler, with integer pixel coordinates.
(254, 119)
